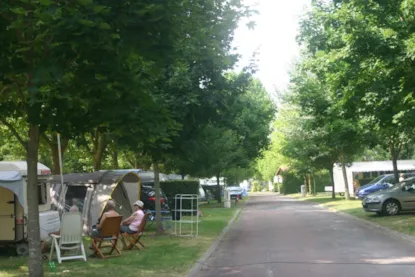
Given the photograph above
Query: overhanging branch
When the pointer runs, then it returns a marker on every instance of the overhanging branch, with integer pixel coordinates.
(46, 138)
(14, 132)
(4, 89)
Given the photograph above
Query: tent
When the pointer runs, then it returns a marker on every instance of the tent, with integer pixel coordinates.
(91, 192)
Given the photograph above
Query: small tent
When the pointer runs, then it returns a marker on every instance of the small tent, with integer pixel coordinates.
(91, 192)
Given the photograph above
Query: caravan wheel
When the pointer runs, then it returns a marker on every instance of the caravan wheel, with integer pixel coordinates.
(22, 249)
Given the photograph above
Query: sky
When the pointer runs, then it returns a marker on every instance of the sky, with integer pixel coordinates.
(274, 39)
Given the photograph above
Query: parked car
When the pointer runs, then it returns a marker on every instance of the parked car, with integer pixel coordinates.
(148, 196)
(391, 201)
(235, 191)
(384, 181)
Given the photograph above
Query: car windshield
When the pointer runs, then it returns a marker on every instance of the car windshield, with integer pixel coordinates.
(400, 185)
(374, 181)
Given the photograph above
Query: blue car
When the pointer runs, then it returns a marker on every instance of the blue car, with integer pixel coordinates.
(381, 182)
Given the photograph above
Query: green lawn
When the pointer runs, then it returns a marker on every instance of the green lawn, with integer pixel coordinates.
(404, 223)
(166, 255)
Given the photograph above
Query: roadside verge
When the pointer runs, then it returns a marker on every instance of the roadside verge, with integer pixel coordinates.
(402, 225)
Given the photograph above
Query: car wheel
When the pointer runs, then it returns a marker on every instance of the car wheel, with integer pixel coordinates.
(391, 207)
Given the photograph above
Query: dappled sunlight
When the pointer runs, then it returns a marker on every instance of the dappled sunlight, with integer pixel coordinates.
(324, 262)
(385, 261)
(166, 255)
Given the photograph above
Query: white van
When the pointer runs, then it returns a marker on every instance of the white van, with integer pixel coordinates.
(13, 205)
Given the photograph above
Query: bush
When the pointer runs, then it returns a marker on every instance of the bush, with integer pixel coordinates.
(256, 186)
(275, 187)
(171, 188)
(281, 189)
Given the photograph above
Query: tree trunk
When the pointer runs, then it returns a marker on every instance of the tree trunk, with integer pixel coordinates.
(53, 145)
(305, 183)
(114, 156)
(394, 155)
(99, 149)
(218, 189)
(35, 256)
(159, 225)
(346, 183)
(333, 190)
(310, 184)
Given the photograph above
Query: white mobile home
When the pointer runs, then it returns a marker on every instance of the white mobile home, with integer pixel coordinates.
(13, 205)
(358, 171)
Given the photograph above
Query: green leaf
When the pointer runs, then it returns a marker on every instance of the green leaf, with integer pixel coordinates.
(18, 10)
(104, 26)
(86, 22)
(101, 9)
(23, 49)
(85, 2)
(45, 2)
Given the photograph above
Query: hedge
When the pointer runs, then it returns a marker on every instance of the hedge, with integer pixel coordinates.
(171, 188)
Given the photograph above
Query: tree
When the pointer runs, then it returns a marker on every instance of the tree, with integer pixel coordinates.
(368, 56)
(53, 76)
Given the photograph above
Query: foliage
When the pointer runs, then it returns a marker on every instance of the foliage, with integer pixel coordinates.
(352, 89)
(120, 81)
(256, 186)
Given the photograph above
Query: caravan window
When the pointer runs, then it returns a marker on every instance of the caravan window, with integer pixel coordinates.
(75, 195)
(42, 193)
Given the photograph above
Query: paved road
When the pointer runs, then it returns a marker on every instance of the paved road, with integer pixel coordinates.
(286, 238)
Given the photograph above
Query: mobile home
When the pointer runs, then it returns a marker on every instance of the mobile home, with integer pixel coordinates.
(359, 173)
(13, 205)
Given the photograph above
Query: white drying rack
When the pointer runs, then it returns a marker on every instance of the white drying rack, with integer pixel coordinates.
(192, 220)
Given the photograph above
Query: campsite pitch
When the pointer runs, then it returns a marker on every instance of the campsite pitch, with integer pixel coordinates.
(164, 256)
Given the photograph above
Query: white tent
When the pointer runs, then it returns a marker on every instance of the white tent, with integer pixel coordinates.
(361, 167)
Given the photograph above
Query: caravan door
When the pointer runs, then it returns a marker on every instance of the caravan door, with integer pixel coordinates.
(7, 218)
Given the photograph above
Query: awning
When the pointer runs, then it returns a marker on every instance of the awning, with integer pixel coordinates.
(13, 180)
(379, 166)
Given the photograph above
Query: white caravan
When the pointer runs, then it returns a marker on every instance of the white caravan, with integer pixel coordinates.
(357, 171)
(13, 205)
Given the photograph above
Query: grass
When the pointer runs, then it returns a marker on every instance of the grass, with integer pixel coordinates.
(404, 222)
(166, 255)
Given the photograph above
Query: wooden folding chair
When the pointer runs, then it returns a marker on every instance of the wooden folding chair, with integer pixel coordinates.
(134, 238)
(109, 232)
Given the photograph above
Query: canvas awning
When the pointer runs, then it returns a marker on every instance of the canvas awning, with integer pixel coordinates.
(378, 166)
(13, 180)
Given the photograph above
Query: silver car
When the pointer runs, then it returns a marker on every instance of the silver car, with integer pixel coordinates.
(400, 197)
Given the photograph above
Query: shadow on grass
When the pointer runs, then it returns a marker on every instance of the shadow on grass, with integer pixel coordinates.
(166, 255)
(404, 222)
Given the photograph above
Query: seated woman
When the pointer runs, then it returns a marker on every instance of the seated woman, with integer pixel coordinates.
(131, 224)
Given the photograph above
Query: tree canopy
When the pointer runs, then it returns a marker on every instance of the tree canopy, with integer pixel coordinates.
(127, 84)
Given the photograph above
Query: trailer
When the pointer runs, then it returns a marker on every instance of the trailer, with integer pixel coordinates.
(360, 173)
(13, 205)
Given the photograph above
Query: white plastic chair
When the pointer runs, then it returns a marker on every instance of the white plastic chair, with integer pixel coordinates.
(70, 237)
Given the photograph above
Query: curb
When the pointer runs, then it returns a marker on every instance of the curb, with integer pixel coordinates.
(198, 266)
(372, 224)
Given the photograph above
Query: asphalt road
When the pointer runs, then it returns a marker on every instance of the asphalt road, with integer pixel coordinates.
(286, 238)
